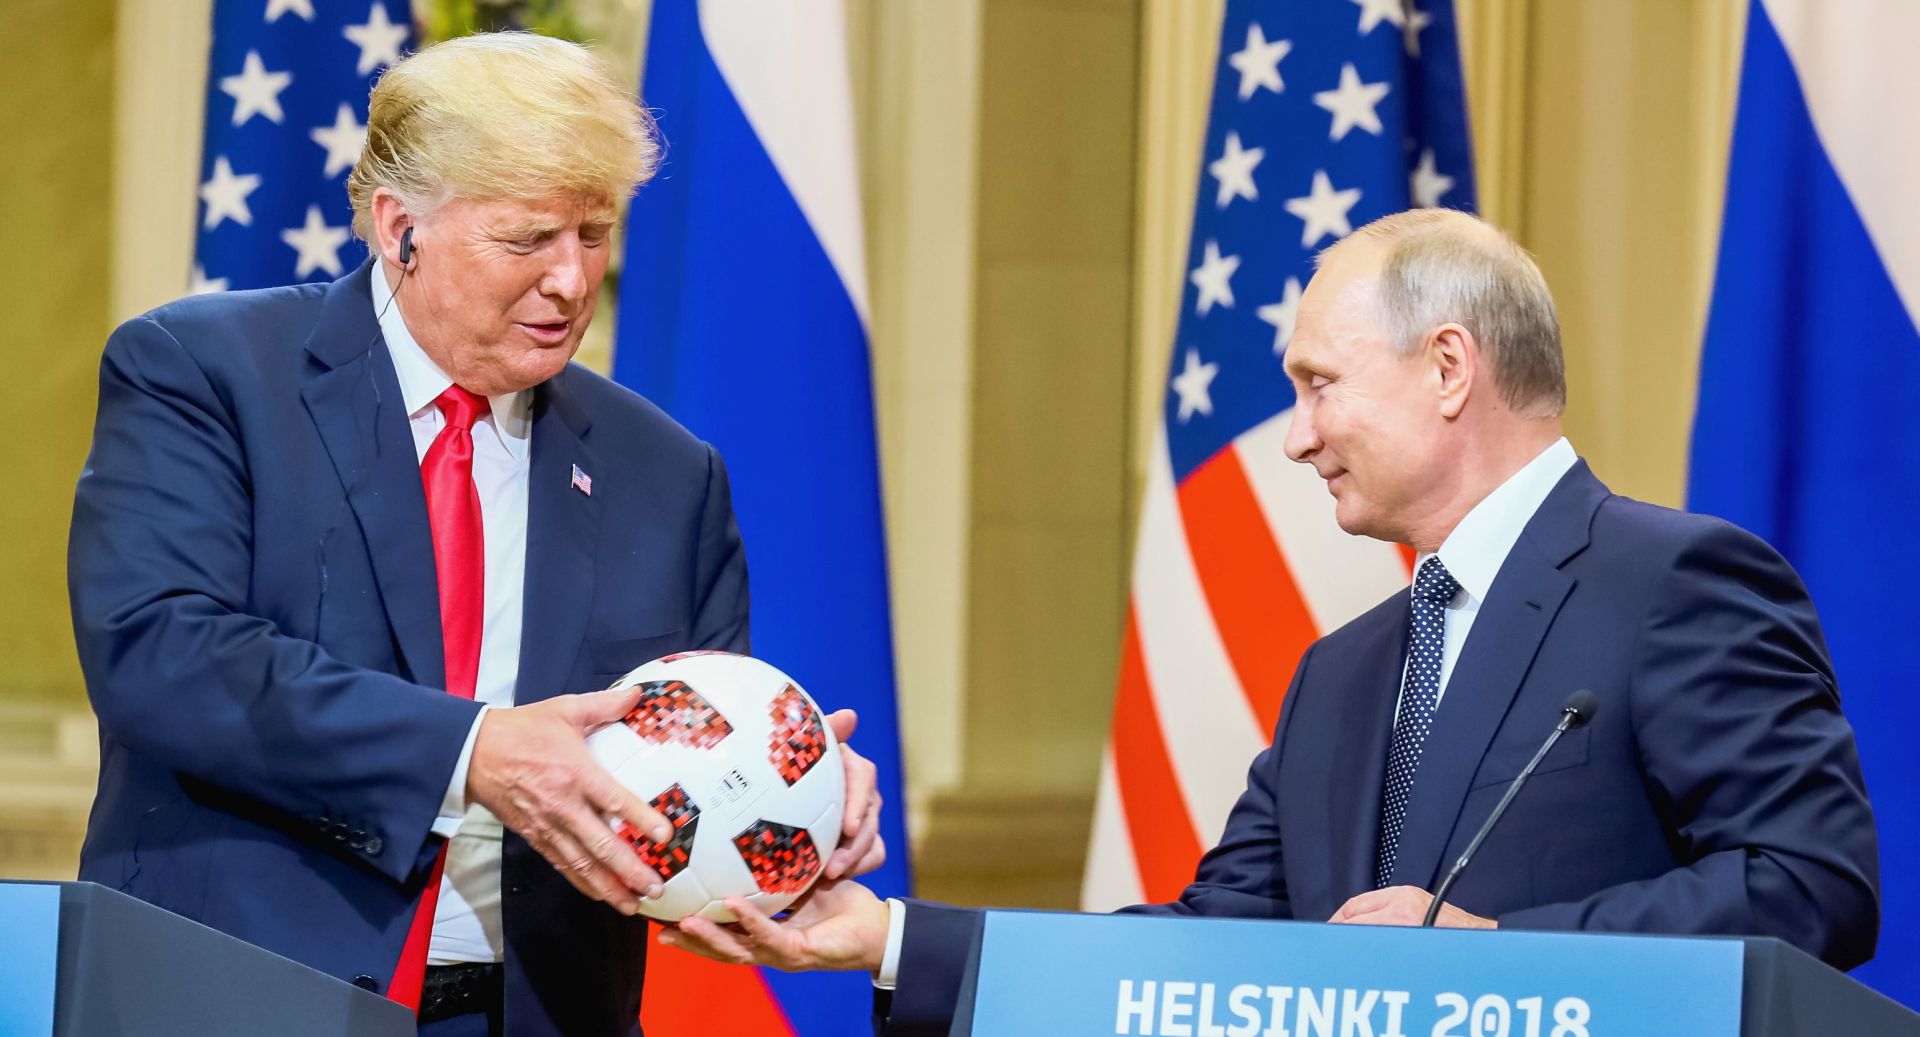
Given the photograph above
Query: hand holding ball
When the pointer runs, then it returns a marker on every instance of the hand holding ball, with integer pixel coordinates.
(742, 761)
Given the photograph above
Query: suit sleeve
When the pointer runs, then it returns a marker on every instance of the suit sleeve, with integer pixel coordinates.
(159, 566)
(720, 569)
(933, 958)
(1749, 757)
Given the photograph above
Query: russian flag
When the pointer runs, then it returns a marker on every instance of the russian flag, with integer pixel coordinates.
(743, 312)
(1807, 431)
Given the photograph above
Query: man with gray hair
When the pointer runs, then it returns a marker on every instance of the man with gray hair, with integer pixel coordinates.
(1716, 790)
(348, 559)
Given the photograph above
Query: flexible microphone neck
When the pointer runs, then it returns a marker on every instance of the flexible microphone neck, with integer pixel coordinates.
(1578, 711)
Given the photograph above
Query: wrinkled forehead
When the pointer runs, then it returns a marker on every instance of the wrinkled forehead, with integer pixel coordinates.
(538, 213)
(1345, 265)
(1336, 315)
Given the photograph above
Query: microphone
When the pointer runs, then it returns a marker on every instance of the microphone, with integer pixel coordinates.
(1578, 711)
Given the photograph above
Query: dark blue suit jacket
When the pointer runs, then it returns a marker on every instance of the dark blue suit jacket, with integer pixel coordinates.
(253, 593)
(1718, 789)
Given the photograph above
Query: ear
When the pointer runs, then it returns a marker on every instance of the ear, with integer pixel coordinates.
(1455, 356)
(390, 221)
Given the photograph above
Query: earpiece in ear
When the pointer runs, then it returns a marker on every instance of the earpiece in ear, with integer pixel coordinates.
(406, 247)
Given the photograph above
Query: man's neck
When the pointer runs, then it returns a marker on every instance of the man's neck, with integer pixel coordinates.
(1483, 472)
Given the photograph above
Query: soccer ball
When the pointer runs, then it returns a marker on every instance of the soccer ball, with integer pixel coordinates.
(742, 762)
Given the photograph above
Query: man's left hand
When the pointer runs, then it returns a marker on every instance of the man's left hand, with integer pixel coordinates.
(861, 848)
(1405, 905)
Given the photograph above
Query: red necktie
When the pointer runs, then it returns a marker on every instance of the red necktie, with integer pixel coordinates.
(460, 563)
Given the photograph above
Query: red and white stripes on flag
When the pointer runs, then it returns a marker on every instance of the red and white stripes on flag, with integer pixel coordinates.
(1239, 568)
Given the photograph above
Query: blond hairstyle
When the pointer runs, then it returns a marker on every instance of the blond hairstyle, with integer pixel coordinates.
(500, 115)
(1442, 265)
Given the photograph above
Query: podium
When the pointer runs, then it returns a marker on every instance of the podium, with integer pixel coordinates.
(1161, 976)
(81, 960)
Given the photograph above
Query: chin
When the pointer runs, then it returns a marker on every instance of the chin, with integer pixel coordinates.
(545, 365)
(1353, 521)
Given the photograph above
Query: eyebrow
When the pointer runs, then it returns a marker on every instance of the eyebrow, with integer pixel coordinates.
(529, 229)
(547, 228)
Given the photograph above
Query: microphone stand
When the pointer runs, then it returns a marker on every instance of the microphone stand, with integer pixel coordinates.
(1579, 709)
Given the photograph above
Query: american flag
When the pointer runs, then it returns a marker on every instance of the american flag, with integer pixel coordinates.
(1326, 114)
(287, 84)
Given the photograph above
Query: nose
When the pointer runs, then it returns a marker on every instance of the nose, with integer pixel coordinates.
(1302, 439)
(567, 276)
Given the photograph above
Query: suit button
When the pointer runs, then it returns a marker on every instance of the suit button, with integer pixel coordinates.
(372, 845)
(365, 982)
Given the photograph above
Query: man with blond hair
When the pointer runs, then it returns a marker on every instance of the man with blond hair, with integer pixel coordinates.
(343, 554)
(1716, 790)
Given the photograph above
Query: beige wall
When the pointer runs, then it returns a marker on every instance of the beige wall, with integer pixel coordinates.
(53, 208)
(1048, 515)
(916, 83)
(56, 253)
(1603, 132)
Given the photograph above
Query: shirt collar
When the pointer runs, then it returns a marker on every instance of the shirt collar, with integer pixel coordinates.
(1476, 549)
(422, 381)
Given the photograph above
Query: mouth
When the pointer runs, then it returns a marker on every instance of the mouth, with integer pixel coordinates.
(549, 333)
(1333, 482)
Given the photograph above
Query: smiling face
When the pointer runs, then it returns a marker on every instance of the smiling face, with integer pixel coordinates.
(1371, 421)
(500, 292)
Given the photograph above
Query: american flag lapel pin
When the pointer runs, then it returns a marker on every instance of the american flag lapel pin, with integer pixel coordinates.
(582, 481)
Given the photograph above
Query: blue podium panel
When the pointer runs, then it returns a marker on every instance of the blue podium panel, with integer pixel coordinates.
(29, 958)
(1059, 974)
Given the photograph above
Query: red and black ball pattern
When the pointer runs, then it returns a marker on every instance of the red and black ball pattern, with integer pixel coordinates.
(799, 738)
(783, 859)
(677, 656)
(672, 712)
(669, 858)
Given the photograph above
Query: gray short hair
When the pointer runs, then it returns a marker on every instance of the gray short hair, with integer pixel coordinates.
(1442, 265)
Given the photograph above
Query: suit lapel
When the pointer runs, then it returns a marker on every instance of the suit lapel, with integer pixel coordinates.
(1519, 610)
(563, 531)
(1361, 751)
(354, 400)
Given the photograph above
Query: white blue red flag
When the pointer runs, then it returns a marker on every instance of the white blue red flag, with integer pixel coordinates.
(1325, 115)
(1806, 430)
(287, 84)
(743, 313)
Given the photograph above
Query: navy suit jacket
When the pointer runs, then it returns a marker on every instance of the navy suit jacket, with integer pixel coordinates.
(253, 593)
(1717, 791)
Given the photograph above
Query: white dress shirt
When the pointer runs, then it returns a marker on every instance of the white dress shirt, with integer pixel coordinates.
(1473, 553)
(466, 921)
(1476, 549)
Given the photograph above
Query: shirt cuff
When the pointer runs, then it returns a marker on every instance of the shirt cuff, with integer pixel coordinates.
(889, 974)
(453, 805)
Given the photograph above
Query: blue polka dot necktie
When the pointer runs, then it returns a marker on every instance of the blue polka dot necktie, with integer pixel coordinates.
(1433, 588)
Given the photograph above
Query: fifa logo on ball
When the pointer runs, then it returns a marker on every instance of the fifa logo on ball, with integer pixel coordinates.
(735, 785)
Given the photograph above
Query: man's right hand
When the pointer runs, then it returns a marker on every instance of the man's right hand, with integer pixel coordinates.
(838, 925)
(531, 767)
